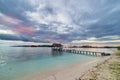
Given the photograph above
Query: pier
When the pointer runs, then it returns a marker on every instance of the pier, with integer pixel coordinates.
(85, 52)
(59, 48)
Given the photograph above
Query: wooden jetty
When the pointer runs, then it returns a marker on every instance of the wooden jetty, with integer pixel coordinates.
(59, 48)
(85, 52)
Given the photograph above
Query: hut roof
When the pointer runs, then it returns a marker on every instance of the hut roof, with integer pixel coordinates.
(56, 45)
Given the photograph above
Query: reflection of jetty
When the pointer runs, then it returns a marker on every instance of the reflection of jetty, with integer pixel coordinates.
(59, 48)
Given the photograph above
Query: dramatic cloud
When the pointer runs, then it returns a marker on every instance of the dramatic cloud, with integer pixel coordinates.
(105, 39)
(77, 21)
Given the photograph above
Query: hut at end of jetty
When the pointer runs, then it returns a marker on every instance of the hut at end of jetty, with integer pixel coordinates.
(57, 47)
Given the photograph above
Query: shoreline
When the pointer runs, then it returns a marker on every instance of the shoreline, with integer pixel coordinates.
(72, 72)
(109, 68)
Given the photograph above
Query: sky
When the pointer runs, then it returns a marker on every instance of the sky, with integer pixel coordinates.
(64, 21)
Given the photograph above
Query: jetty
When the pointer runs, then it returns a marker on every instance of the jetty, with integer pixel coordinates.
(59, 48)
(85, 52)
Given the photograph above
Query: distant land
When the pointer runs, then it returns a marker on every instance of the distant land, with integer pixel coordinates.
(59, 45)
(33, 46)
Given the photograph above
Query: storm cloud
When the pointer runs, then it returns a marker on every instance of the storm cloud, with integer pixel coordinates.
(60, 20)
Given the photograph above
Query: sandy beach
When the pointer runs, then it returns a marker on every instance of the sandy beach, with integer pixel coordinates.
(107, 70)
(72, 72)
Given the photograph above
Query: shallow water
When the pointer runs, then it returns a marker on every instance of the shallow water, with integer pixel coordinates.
(18, 62)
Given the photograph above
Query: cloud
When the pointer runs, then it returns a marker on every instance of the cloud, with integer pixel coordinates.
(9, 37)
(60, 20)
(45, 13)
(6, 32)
(104, 39)
(7, 19)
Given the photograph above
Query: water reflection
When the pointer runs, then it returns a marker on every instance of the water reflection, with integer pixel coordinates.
(18, 62)
(56, 53)
(11, 54)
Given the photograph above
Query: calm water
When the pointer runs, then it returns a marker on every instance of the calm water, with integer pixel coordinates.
(18, 62)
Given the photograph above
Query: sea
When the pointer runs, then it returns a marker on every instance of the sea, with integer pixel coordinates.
(18, 62)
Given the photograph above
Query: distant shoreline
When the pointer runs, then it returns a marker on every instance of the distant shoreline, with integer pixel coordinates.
(33, 46)
(63, 47)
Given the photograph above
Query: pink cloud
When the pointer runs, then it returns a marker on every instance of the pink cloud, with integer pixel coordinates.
(53, 39)
(5, 19)
(25, 30)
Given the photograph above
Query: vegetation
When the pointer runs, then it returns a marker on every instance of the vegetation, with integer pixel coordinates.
(118, 54)
(118, 47)
(115, 66)
(108, 70)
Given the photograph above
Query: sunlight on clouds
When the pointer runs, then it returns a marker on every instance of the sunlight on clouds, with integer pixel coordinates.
(62, 30)
(63, 18)
(112, 39)
(42, 18)
(36, 17)
(92, 38)
(9, 19)
(42, 15)
(88, 41)
(6, 32)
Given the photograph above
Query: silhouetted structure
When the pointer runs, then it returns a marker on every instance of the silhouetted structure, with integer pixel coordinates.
(57, 47)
